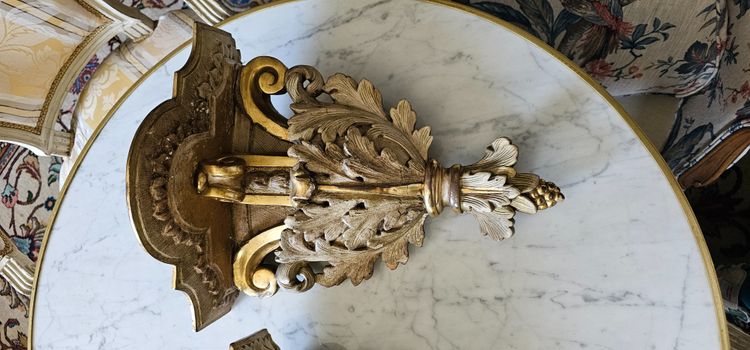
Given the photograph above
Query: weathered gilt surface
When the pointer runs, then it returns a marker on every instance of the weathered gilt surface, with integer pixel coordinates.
(358, 180)
(357, 183)
(177, 164)
(173, 223)
(364, 183)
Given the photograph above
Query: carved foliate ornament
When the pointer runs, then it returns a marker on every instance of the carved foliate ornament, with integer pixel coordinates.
(353, 185)
(364, 183)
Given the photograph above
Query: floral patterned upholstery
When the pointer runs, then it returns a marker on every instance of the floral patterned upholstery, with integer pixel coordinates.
(698, 51)
(722, 108)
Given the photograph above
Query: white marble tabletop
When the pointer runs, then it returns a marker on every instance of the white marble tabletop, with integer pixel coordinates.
(616, 266)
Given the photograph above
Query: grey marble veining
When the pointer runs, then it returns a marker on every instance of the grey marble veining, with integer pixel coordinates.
(615, 266)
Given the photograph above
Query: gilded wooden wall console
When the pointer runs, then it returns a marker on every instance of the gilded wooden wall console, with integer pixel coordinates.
(237, 197)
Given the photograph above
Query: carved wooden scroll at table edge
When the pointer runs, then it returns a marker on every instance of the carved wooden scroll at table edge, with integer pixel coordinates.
(357, 184)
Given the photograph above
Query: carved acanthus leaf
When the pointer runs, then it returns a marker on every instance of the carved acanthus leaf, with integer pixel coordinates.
(497, 224)
(317, 160)
(357, 107)
(372, 219)
(498, 157)
(382, 229)
(353, 143)
(363, 162)
(395, 245)
(355, 264)
(524, 205)
(404, 118)
(343, 263)
(484, 192)
(491, 190)
(346, 91)
(316, 220)
(525, 182)
(352, 148)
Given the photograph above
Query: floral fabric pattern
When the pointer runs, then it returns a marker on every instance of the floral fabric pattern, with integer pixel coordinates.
(30, 185)
(119, 71)
(698, 51)
(28, 38)
(628, 45)
(64, 122)
(706, 119)
(29, 190)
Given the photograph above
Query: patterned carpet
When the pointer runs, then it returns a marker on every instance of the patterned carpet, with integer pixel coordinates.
(29, 192)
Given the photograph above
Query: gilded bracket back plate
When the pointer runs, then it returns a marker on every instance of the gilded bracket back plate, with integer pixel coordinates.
(174, 224)
(203, 121)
